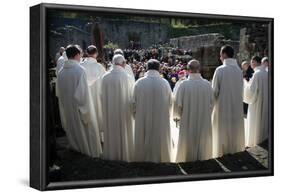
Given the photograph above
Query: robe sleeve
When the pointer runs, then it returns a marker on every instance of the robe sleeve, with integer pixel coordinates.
(81, 97)
(178, 102)
(251, 90)
(134, 101)
(216, 83)
(62, 115)
(132, 95)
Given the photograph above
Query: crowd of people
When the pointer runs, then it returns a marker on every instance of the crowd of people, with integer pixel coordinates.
(124, 111)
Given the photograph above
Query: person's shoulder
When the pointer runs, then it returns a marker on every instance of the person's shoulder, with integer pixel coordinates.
(164, 80)
(206, 82)
(106, 75)
(220, 68)
(140, 81)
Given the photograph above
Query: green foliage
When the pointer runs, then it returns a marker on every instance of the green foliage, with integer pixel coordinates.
(111, 45)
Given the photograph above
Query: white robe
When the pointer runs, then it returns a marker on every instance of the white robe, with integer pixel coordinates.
(116, 97)
(130, 72)
(193, 105)
(177, 85)
(256, 95)
(60, 62)
(94, 72)
(75, 104)
(227, 117)
(152, 104)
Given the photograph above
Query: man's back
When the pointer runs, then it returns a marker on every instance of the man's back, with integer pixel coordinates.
(93, 69)
(193, 105)
(228, 122)
(152, 101)
(116, 92)
(68, 79)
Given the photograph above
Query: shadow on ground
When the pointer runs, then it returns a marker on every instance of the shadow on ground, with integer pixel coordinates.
(76, 166)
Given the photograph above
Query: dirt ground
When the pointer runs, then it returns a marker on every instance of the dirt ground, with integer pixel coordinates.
(75, 166)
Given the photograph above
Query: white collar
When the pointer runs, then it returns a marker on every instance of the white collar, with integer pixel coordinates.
(194, 76)
(230, 61)
(152, 73)
(260, 67)
(70, 63)
(92, 59)
(117, 68)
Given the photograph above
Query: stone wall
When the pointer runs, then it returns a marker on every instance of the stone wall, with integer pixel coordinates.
(118, 32)
(206, 49)
(253, 41)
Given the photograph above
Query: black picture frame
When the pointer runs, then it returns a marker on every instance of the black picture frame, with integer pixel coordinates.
(38, 89)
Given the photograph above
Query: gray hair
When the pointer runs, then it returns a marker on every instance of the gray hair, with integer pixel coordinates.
(118, 59)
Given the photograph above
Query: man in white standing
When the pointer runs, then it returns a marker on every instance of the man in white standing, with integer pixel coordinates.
(152, 101)
(59, 53)
(265, 63)
(116, 96)
(128, 68)
(74, 98)
(227, 118)
(94, 72)
(256, 95)
(60, 62)
(193, 106)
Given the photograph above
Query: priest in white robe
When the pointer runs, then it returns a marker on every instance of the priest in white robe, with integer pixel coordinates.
(193, 106)
(128, 68)
(94, 72)
(74, 98)
(227, 117)
(152, 102)
(59, 53)
(60, 62)
(256, 95)
(116, 97)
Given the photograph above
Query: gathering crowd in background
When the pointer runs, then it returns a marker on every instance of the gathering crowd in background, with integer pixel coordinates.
(125, 108)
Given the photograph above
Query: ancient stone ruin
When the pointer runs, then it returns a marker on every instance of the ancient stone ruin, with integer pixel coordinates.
(205, 48)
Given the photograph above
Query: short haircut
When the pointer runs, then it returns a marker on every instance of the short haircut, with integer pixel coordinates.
(72, 51)
(194, 65)
(257, 59)
(91, 50)
(153, 64)
(118, 51)
(228, 50)
(118, 59)
(264, 59)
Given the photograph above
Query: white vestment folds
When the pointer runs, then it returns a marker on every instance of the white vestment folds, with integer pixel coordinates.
(60, 62)
(177, 85)
(152, 106)
(130, 72)
(256, 95)
(227, 117)
(75, 107)
(116, 97)
(94, 72)
(193, 105)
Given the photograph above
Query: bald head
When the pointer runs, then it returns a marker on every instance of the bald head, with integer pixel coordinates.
(194, 66)
(265, 61)
(119, 60)
(245, 65)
